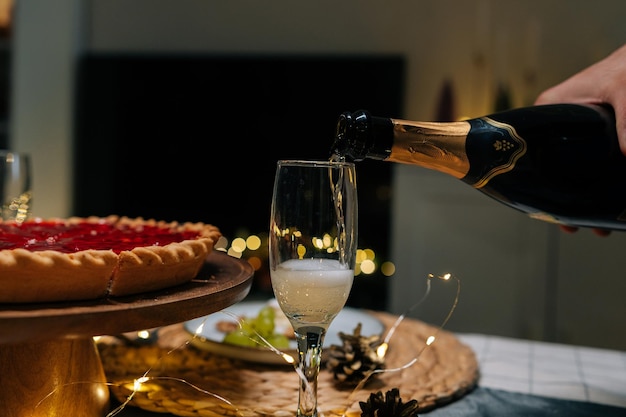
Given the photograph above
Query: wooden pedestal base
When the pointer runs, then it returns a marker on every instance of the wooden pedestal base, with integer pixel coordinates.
(49, 363)
(53, 378)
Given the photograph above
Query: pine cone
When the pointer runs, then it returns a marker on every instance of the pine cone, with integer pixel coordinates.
(389, 406)
(356, 358)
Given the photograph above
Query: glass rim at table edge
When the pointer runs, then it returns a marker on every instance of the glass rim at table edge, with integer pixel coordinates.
(314, 163)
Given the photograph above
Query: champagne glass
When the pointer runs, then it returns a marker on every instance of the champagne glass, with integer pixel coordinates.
(312, 254)
(15, 186)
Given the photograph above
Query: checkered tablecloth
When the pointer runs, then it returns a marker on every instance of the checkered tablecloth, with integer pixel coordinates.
(550, 369)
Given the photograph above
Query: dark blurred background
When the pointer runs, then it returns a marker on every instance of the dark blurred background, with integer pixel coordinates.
(196, 138)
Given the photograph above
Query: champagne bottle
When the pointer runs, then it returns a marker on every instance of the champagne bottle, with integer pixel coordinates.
(559, 163)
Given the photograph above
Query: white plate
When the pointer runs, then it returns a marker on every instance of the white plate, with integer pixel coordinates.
(210, 339)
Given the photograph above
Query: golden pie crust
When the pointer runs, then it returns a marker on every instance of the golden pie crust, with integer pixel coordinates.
(49, 275)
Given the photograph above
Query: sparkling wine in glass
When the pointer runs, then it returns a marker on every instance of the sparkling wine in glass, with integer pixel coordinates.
(312, 253)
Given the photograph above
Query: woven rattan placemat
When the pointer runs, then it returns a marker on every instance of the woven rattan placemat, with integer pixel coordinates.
(186, 381)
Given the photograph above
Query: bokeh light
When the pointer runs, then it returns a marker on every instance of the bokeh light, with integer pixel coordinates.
(253, 248)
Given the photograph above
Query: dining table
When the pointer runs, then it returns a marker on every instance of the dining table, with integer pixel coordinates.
(534, 378)
(518, 377)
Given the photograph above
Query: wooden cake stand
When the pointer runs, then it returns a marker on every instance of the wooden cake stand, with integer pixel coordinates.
(49, 363)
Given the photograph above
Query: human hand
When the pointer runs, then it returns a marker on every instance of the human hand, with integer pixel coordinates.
(603, 83)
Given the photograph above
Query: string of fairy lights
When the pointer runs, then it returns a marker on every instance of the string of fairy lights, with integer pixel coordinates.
(146, 383)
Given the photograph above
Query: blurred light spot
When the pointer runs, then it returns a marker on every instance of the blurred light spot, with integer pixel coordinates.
(301, 251)
(368, 266)
(238, 245)
(222, 243)
(253, 242)
(388, 268)
(256, 262)
(317, 242)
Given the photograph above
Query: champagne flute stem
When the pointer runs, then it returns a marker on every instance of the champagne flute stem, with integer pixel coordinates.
(310, 339)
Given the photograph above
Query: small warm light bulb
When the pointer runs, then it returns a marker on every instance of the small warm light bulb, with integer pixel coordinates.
(444, 277)
(382, 350)
(430, 340)
(288, 358)
(200, 328)
(143, 334)
(101, 392)
(139, 382)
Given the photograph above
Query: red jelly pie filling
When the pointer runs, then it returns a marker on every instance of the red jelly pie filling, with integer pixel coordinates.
(87, 258)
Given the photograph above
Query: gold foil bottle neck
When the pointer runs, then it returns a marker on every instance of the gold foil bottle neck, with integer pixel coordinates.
(433, 145)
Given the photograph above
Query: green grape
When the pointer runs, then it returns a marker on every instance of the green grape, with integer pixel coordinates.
(239, 337)
(247, 326)
(264, 321)
(267, 312)
(279, 341)
(262, 325)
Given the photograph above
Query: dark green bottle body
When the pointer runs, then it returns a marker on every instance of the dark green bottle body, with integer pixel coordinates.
(558, 163)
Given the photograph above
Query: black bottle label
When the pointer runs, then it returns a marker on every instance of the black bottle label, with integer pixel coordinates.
(493, 148)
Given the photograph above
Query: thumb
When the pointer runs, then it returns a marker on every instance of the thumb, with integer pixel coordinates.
(620, 125)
